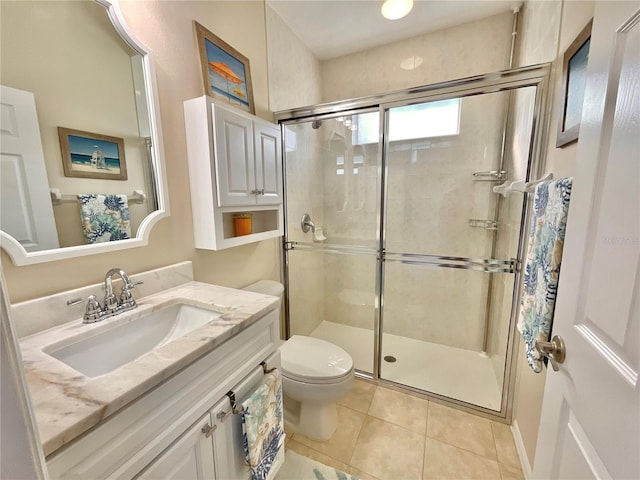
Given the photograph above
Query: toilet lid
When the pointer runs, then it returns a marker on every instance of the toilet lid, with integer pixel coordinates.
(312, 359)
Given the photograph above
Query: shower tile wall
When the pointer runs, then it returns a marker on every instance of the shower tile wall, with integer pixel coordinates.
(464, 50)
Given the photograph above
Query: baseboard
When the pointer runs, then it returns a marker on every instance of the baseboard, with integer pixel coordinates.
(522, 453)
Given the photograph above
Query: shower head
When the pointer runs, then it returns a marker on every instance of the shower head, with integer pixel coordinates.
(316, 124)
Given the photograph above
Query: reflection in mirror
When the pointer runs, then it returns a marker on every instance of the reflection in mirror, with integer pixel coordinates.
(65, 66)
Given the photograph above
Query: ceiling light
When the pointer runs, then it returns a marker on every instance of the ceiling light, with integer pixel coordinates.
(395, 9)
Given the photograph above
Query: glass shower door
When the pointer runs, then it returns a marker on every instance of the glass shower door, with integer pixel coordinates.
(331, 174)
(446, 295)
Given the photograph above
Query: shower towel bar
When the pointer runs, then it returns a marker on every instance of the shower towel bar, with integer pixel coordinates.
(520, 186)
(490, 265)
(235, 409)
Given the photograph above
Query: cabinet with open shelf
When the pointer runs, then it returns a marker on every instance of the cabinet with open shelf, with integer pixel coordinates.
(234, 168)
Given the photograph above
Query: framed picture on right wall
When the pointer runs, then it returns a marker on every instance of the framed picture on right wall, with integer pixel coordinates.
(574, 73)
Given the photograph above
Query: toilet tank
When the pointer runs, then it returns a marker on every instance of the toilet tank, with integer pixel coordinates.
(271, 287)
(266, 287)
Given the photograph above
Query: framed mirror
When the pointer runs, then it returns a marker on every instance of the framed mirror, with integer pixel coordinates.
(82, 166)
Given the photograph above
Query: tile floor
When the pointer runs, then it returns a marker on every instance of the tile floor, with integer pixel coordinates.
(387, 435)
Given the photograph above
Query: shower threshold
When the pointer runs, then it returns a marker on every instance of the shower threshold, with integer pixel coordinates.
(453, 372)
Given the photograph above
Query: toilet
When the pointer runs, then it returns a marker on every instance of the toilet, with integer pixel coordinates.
(315, 375)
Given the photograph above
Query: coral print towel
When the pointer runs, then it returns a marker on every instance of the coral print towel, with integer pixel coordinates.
(263, 428)
(542, 267)
(104, 218)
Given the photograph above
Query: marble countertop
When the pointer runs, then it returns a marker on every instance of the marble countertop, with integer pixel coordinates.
(66, 403)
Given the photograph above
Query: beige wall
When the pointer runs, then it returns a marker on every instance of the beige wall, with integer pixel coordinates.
(548, 29)
(469, 49)
(167, 29)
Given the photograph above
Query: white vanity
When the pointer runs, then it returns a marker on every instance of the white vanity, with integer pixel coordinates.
(164, 414)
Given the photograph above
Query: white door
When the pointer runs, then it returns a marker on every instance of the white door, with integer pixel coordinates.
(268, 163)
(190, 457)
(590, 426)
(234, 152)
(25, 202)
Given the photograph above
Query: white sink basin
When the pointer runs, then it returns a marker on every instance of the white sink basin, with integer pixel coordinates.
(114, 347)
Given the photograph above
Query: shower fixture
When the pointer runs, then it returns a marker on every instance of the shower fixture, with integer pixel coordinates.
(316, 124)
(307, 224)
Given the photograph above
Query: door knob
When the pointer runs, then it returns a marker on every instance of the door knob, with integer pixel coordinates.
(554, 350)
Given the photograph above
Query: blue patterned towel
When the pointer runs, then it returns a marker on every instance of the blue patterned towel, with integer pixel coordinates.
(104, 218)
(263, 428)
(542, 267)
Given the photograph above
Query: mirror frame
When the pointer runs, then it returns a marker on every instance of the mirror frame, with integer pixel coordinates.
(17, 252)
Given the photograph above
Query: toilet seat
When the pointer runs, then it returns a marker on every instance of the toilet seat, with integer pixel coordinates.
(311, 360)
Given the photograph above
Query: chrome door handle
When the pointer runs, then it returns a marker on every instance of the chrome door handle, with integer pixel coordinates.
(554, 350)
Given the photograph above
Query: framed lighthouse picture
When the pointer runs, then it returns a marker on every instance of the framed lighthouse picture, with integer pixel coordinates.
(92, 155)
(225, 71)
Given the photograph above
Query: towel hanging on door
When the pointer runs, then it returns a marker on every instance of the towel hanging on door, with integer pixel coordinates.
(104, 218)
(263, 428)
(542, 266)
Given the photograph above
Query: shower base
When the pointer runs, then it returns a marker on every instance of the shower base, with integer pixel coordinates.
(453, 372)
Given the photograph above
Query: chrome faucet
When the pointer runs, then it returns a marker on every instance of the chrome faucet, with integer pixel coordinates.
(126, 301)
(112, 305)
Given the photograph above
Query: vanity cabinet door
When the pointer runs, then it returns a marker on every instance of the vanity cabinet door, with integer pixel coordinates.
(268, 145)
(234, 158)
(190, 456)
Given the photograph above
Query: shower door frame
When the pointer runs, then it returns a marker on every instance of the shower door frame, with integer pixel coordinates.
(504, 81)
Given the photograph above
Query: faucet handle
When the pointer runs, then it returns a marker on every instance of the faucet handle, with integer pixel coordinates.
(93, 312)
(126, 298)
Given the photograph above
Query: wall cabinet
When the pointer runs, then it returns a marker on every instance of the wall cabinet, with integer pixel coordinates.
(235, 167)
(179, 429)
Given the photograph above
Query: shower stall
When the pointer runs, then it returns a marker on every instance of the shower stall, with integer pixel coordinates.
(396, 247)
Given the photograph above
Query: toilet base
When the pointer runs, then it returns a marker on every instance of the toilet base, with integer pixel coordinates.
(317, 421)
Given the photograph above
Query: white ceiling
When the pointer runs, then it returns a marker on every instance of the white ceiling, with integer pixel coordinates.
(332, 28)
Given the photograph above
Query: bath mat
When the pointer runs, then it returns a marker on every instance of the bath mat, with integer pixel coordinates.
(297, 467)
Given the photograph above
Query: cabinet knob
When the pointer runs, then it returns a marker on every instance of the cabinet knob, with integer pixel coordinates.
(208, 430)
